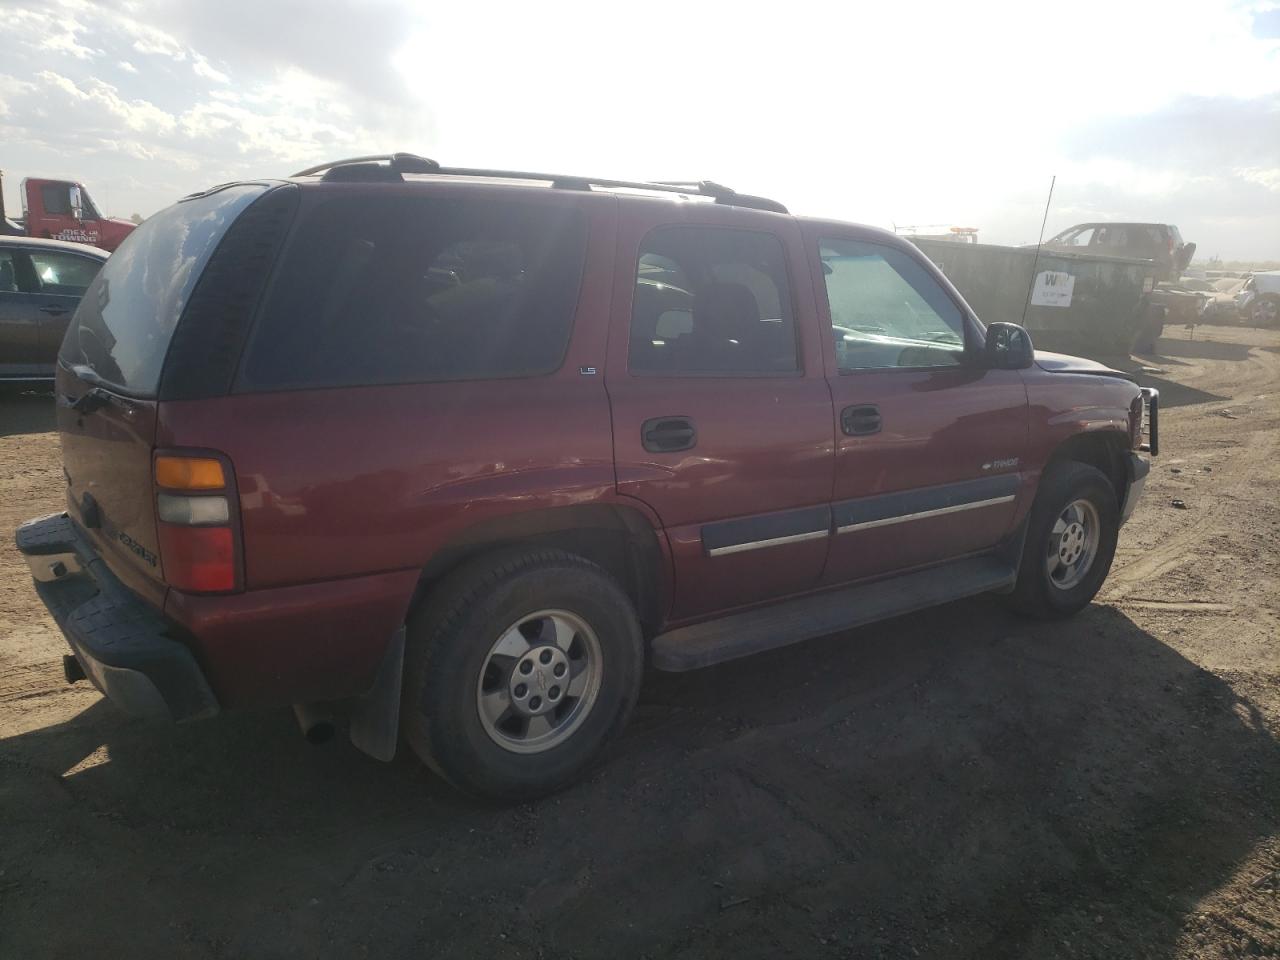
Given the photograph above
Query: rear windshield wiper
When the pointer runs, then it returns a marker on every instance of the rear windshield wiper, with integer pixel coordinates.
(95, 398)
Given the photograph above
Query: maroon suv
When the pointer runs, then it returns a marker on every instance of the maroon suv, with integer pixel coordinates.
(453, 453)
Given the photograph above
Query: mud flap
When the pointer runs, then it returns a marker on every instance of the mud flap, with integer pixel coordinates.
(1011, 551)
(375, 717)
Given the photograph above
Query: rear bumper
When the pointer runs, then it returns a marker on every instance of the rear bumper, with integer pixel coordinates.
(126, 647)
(1138, 468)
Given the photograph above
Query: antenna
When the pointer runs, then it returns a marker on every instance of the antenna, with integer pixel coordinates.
(1036, 262)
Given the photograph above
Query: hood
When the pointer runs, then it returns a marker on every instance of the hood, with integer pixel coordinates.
(1065, 363)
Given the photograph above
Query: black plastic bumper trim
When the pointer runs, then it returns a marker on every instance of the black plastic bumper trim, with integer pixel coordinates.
(124, 645)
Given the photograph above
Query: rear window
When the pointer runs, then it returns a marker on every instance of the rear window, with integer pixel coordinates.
(123, 325)
(395, 289)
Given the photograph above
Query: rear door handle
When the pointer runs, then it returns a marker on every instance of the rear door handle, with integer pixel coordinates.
(54, 311)
(860, 420)
(668, 434)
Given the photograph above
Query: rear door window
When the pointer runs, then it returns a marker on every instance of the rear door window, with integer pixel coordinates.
(709, 300)
(64, 274)
(126, 319)
(382, 290)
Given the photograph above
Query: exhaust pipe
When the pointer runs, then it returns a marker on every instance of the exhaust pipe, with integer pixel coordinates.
(316, 722)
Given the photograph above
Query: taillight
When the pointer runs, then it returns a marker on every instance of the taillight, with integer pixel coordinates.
(1135, 422)
(190, 473)
(195, 501)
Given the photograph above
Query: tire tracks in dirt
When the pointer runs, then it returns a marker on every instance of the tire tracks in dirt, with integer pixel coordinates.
(1257, 452)
(27, 681)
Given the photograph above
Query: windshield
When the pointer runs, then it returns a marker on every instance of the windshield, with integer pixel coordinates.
(88, 210)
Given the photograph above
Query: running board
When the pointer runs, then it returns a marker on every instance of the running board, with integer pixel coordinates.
(765, 628)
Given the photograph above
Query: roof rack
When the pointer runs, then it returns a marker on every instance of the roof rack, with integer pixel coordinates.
(392, 166)
(360, 168)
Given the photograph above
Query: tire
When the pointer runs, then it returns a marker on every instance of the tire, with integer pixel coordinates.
(1265, 311)
(1048, 588)
(467, 713)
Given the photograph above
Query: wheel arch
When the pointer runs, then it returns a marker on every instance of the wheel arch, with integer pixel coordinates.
(1103, 449)
(620, 539)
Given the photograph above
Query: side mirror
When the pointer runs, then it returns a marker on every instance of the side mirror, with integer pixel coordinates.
(77, 205)
(1185, 253)
(1008, 347)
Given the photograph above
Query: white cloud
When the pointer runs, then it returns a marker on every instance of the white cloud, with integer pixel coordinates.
(1268, 177)
(48, 30)
(204, 69)
(127, 67)
(130, 148)
(64, 38)
(149, 40)
(136, 115)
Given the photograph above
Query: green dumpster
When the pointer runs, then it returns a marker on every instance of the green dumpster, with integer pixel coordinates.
(1079, 304)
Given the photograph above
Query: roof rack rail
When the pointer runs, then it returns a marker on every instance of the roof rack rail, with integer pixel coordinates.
(396, 164)
(706, 188)
(723, 194)
(391, 166)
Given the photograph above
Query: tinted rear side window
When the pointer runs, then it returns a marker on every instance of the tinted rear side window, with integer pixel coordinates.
(711, 300)
(380, 290)
(123, 325)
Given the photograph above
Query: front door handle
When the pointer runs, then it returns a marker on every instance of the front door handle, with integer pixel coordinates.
(54, 311)
(668, 434)
(860, 420)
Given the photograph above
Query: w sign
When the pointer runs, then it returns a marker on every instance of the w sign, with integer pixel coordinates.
(1053, 289)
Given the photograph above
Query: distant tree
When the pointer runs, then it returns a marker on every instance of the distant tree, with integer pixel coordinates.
(136, 218)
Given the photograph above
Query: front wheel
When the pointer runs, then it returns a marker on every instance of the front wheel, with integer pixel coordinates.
(1071, 540)
(518, 670)
(1265, 311)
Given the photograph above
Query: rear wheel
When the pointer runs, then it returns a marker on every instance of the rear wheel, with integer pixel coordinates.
(519, 669)
(1071, 540)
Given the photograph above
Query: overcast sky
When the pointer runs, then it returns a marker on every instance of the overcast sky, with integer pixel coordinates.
(952, 113)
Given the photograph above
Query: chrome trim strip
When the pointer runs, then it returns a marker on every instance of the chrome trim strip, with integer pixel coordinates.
(868, 524)
(775, 542)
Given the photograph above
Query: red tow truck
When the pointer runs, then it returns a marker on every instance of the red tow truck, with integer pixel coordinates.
(62, 210)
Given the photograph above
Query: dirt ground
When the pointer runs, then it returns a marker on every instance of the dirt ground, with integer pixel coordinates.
(958, 783)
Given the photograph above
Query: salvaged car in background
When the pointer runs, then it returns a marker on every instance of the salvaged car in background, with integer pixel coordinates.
(41, 283)
(1159, 242)
(1259, 299)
